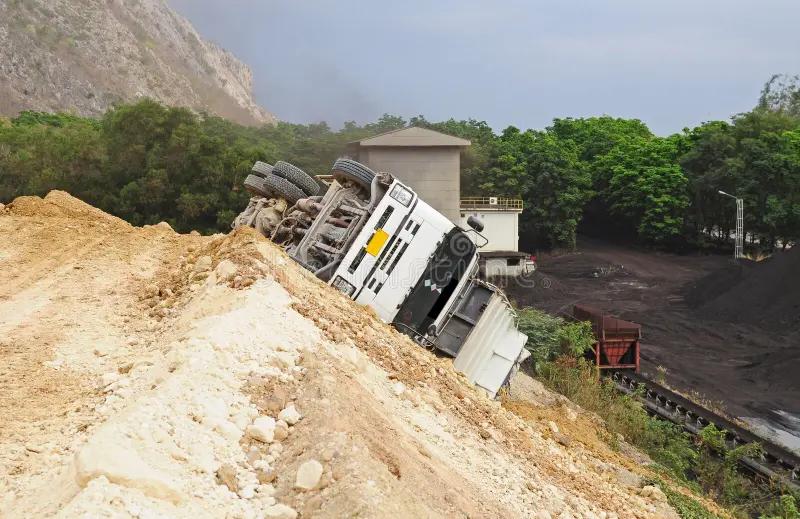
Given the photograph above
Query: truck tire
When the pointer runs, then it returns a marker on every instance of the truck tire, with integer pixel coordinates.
(323, 187)
(255, 185)
(347, 169)
(281, 188)
(262, 169)
(296, 176)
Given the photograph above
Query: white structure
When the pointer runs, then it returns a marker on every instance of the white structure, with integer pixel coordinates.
(427, 161)
(500, 216)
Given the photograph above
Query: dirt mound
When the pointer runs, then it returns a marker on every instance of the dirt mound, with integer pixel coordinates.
(716, 283)
(153, 374)
(62, 205)
(765, 293)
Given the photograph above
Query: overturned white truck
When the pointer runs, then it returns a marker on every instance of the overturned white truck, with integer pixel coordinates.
(371, 237)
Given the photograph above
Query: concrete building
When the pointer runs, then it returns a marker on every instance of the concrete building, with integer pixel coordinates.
(500, 216)
(428, 161)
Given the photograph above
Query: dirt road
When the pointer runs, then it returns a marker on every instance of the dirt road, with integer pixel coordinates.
(150, 374)
(747, 370)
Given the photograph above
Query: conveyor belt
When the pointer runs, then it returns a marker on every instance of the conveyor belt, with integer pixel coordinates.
(777, 463)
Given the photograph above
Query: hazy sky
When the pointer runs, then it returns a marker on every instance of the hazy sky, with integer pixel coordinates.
(670, 63)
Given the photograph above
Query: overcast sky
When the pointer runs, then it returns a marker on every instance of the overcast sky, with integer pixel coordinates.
(670, 63)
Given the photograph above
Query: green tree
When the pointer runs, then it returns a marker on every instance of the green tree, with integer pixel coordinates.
(646, 188)
(546, 173)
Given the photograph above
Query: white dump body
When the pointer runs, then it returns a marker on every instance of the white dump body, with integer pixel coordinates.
(494, 348)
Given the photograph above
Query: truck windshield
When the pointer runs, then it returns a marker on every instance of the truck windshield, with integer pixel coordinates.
(447, 266)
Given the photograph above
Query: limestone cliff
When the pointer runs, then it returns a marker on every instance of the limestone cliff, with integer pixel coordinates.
(85, 55)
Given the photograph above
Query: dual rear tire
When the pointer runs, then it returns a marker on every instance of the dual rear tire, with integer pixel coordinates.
(282, 180)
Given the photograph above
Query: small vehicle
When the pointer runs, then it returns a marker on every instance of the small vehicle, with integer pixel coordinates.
(371, 237)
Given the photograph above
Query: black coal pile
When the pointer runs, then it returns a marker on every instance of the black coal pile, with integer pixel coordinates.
(765, 293)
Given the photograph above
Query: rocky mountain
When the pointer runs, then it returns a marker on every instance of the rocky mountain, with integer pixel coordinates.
(85, 55)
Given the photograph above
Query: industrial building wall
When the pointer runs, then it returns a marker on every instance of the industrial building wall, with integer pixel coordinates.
(500, 228)
(433, 172)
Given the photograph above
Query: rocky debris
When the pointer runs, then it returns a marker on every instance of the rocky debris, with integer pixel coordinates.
(226, 270)
(308, 475)
(203, 264)
(226, 475)
(203, 409)
(121, 465)
(290, 415)
(652, 492)
(262, 429)
(281, 431)
(280, 511)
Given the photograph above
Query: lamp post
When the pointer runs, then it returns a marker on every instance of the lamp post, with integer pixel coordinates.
(738, 248)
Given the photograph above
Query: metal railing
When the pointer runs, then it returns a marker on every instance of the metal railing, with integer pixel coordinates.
(491, 203)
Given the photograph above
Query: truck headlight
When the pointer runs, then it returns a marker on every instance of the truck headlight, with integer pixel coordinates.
(344, 286)
(402, 195)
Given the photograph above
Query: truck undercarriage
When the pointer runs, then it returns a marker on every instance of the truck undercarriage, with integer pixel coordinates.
(372, 238)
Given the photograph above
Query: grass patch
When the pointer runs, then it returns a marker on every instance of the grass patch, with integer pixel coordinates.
(702, 464)
(685, 506)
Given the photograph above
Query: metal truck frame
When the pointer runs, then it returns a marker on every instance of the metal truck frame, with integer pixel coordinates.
(371, 237)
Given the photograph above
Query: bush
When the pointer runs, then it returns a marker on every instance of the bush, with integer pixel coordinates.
(550, 337)
(665, 442)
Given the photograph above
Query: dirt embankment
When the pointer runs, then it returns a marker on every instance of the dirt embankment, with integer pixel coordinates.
(151, 374)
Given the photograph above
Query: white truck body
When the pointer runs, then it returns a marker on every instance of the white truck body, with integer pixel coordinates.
(383, 246)
(391, 260)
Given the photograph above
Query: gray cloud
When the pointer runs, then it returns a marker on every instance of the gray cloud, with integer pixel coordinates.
(671, 64)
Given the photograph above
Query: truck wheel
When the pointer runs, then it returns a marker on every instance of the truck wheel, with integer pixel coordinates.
(262, 169)
(347, 169)
(296, 176)
(282, 188)
(323, 187)
(255, 185)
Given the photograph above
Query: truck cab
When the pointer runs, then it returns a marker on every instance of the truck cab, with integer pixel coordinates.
(371, 237)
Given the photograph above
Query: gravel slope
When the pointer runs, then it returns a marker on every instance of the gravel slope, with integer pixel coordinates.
(151, 374)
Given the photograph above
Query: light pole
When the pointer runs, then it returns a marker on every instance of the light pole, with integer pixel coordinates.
(738, 248)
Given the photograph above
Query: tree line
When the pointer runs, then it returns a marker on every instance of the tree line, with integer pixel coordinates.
(603, 175)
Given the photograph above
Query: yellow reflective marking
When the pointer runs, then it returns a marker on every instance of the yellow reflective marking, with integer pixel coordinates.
(377, 242)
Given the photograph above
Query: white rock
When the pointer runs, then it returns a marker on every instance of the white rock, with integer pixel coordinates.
(281, 430)
(262, 429)
(124, 467)
(290, 415)
(308, 475)
(398, 388)
(202, 264)
(225, 270)
(280, 511)
(553, 426)
(248, 492)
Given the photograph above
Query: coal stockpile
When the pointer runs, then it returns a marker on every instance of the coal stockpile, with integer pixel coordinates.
(765, 293)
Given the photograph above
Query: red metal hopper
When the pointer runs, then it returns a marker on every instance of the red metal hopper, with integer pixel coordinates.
(617, 345)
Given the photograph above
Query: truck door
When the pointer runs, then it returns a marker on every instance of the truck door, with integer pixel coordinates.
(446, 267)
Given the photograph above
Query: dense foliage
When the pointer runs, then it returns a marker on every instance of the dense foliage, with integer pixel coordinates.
(601, 175)
(706, 465)
(551, 337)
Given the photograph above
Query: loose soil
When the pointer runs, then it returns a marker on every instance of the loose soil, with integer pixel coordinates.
(150, 374)
(720, 356)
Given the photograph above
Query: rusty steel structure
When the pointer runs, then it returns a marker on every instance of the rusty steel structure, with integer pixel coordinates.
(617, 341)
